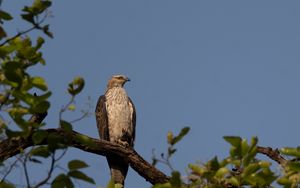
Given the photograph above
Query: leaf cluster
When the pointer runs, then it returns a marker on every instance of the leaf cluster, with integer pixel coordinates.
(242, 168)
(24, 99)
(65, 180)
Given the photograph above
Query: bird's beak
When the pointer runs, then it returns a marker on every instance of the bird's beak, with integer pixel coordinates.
(127, 79)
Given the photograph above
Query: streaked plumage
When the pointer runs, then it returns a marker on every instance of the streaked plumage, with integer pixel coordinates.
(116, 119)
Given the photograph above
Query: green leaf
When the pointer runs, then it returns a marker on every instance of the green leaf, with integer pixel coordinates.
(266, 176)
(169, 137)
(71, 107)
(5, 15)
(175, 179)
(40, 107)
(252, 168)
(294, 166)
(17, 112)
(40, 6)
(39, 136)
(221, 172)
(284, 181)
(2, 35)
(111, 184)
(295, 152)
(4, 184)
(66, 125)
(249, 157)
(254, 141)
(47, 31)
(55, 141)
(80, 175)
(40, 83)
(182, 133)
(77, 164)
(62, 181)
(233, 181)
(13, 71)
(43, 97)
(213, 164)
(244, 147)
(5, 50)
(10, 134)
(25, 97)
(233, 140)
(29, 17)
(165, 185)
(41, 151)
(76, 86)
(196, 169)
(39, 42)
(171, 151)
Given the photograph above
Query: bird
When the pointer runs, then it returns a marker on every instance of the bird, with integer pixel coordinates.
(116, 121)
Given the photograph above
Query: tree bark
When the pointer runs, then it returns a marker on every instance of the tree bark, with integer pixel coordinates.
(13, 146)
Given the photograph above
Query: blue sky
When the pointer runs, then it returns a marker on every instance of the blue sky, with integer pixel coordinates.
(220, 67)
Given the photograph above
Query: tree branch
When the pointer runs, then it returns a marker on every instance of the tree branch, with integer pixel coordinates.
(13, 146)
(272, 154)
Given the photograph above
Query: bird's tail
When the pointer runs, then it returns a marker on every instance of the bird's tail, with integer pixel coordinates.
(118, 168)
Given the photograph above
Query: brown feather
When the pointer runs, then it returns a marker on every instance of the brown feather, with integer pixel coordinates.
(133, 122)
(101, 118)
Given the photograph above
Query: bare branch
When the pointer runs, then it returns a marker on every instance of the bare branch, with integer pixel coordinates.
(36, 25)
(24, 164)
(9, 170)
(272, 154)
(45, 180)
(84, 115)
(18, 35)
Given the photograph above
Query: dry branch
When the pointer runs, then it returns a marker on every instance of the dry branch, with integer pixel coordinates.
(272, 154)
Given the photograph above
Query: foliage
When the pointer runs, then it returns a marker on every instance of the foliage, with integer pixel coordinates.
(242, 168)
(23, 95)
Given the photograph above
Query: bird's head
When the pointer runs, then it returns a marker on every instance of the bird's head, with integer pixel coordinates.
(117, 81)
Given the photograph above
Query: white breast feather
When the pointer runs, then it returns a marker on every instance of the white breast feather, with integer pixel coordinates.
(119, 112)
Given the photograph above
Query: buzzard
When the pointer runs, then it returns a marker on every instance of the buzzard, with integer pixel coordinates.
(116, 118)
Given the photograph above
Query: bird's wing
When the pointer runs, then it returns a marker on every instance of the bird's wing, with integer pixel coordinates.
(133, 121)
(101, 118)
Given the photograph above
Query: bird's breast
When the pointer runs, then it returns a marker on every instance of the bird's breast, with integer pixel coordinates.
(119, 113)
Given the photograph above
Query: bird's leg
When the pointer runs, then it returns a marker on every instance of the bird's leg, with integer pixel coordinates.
(122, 143)
(123, 140)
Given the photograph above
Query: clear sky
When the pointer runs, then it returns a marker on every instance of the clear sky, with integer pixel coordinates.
(220, 67)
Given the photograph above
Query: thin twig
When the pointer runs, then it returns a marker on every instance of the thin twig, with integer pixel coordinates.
(45, 180)
(24, 164)
(85, 114)
(64, 108)
(35, 26)
(18, 35)
(9, 170)
(61, 155)
(166, 162)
